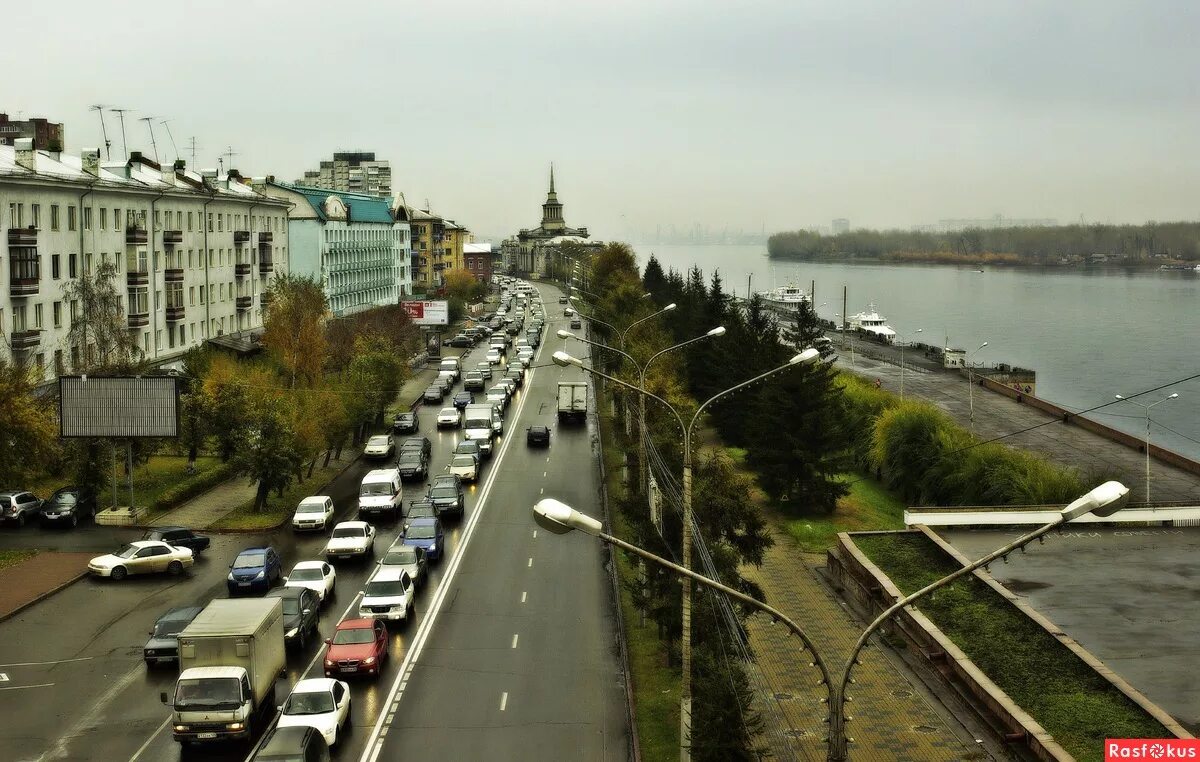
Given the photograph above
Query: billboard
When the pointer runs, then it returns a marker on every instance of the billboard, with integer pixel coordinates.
(121, 406)
(428, 313)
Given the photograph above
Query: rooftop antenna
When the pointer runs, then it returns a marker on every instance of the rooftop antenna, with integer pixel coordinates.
(229, 154)
(99, 108)
(193, 147)
(150, 126)
(120, 112)
(175, 148)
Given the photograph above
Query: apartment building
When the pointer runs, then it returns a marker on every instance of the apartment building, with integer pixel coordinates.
(351, 172)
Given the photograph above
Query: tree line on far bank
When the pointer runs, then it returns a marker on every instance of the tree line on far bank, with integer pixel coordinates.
(1048, 245)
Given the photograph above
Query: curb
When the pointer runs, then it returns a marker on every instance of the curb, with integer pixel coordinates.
(43, 596)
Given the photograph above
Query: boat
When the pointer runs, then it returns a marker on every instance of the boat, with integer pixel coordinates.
(785, 298)
(870, 321)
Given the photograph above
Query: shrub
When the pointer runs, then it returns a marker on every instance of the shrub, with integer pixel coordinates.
(185, 490)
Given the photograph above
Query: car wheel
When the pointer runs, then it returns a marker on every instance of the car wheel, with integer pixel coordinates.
(175, 568)
(119, 573)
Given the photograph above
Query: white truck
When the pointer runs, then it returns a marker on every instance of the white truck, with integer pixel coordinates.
(478, 425)
(572, 400)
(229, 657)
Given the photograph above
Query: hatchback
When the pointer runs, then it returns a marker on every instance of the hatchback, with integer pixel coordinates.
(254, 570)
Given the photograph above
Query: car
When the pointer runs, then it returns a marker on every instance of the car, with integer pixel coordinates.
(293, 744)
(567, 311)
(465, 467)
(19, 506)
(510, 384)
(380, 494)
(413, 464)
(68, 506)
(141, 557)
(513, 329)
(318, 576)
(420, 509)
(180, 537)
(445, 380)
(163, 645)
(406, 423)
(495, 357)
(576, 323)
(358, 647)
(498, 395)
(452, 366)
(535, 338)
(449, 416)
(470, 447)
(537, 436)
(433, 393)
(379, 446)
(254, 570)
(350, 539)
(485, 369)
(301, 610)
(461, 340)
(389, 594)
(313, 514)
(427, 535)
(418, 443)
(409, 558)
(446, 493)
(473, 381)
(562, 300)
(462, 399)
(525, 357)
(318, 702)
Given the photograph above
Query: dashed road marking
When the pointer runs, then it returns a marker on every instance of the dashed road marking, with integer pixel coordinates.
(535, 534)
(515, 636)
(39, 685)
(503, 700)
(523, 596)
(530, 561)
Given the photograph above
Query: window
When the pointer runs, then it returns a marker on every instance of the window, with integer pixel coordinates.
(59, 368)
(72, 265)
(87, 218)
(103, 218)
(74, 310)
(221, 222)
(189, 222)
(157, 218)
(15, 213)
(36, 215)
(71, 220)
(58, 314)
(37, 316)
(202, 294)
(192, 295)
(55, 266)
(182, 335)
(210, 222)
(116, 219)
(87, 264)
(54, 217)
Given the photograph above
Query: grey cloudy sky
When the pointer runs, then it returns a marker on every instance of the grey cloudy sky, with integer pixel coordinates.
(745, 114)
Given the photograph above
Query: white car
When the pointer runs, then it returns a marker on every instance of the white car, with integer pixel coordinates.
(465, 466)
(313, 513)
(351, 539)
(525, 356)
(498, 395)
(449, 416)
(317, 576)
(379, 446)
(142, 557)
(388, 594)
(320, 702)
(494, 356)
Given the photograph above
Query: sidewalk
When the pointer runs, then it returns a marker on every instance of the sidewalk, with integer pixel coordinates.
(35, 578)
(209, 507)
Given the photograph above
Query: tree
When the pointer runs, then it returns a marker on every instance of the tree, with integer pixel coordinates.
(460, 284)
(101, 331)
(267, 449)
(224, 398)
(28, 426)
(384, 370)
(293, 331)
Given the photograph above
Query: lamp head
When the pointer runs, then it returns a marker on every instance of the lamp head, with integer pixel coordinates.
(1173, 395)
(669, 307)
(718, 331)
(558, 517)
(1103, 501)
(564, 334)
(563, 359)
(807, 357)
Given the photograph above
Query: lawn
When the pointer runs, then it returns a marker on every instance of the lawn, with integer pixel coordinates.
(13, 557)
(149, 480)
(1068, 698)
(868, 506)
(279, 509)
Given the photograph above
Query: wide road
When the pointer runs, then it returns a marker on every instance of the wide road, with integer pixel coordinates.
(512, 649)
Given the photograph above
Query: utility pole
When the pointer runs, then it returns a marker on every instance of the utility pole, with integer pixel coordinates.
(99, 108)
(120, 112)
(150, 125)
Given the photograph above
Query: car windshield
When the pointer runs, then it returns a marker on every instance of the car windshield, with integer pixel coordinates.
(477, 423)
(404, 418)
(350, 532)
(250, 560)
(127, 551)
(464, 460)
(400, 556)
(169, 628)
(309, 703)
(209, 692)
(425, 532)
(305, 575)
(377, 441)
(449, 412)
(375, 489)
(468, 447)
(443, 491)
(433, 390)
(311, 508)
(355, 636)
(383, 588)
(410, 456)
(64, 498)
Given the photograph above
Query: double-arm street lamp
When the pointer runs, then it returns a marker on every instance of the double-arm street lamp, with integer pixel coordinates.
(1103, 501)
(971, 383)
(1147, 408)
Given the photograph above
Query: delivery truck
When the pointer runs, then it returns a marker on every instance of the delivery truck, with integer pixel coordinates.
(572, 400)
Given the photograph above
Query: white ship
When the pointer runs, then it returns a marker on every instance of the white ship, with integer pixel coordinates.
(784, 298)
(870, 321)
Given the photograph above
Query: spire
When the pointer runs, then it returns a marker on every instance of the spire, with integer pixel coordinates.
(552, 178)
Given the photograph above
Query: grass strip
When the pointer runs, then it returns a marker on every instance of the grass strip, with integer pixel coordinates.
(278, 509)
(868, 506)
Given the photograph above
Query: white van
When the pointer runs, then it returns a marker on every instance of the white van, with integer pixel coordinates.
(380, 494)
(451, 365)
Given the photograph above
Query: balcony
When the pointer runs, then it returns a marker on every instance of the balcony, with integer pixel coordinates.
(172, 275)
(265, 266)
(242, 269)
(265, 299)
(174, 314)
(172, 237)
(265, 237)
(25, 340)
(137, 276)
(139, 319)
(24, 271)
(22, 237)
(135, 236)
(241, 236)
(244, 303)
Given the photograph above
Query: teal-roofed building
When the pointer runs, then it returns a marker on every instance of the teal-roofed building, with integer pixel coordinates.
(358, 246)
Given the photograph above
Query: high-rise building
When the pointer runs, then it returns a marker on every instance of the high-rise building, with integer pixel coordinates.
(352, 172)
(841, 225)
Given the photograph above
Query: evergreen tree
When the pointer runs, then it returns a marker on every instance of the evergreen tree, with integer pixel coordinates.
(655, 281)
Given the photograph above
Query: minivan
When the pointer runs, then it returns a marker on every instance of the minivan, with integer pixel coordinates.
(380, 494)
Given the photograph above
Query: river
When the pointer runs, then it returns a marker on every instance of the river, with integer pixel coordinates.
(1089, 333)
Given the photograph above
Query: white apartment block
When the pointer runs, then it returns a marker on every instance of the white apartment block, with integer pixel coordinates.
(195, 252)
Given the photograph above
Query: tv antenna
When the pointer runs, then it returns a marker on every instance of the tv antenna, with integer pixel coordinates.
(193, 147)
(150, 125)
(120, 112)
(175, 148)
(229, 154)
(99, 108)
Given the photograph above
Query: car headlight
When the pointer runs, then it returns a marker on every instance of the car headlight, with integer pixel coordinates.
(369, 661)
(433, 547)
(292, 632)
(181, 728)
(229, 576)
(261, 574)
(234, 726)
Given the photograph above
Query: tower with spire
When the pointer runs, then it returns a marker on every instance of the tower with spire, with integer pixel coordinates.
(532, 248)
(552, 210)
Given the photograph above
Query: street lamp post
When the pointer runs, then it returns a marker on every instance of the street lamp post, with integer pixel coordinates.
(903, 345)
(1147, 409)
(1103, 501)
(971, 384)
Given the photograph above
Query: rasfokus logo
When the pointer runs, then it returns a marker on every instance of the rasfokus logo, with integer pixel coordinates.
(1151, 748)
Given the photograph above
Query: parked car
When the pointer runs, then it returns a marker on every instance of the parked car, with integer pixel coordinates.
(313, 514)
(318, 576)
(409, 558)
(293, 744)
(465, 467)
(446, 493)
(141, 557)
(379, 446)
(427, 535)
(388, 595)
(420, 509)
(163, 645)
(254, 570)
(18, 506)
(358, 647)
(413, 464)
(461, 340)
(433, 393)
(301, 610)
(320, 703)
(180, 537)
(406, 423)
(350, 539)
(537, 436)
(68, 506)
(473, 382)
(449, 417)
(462, 399)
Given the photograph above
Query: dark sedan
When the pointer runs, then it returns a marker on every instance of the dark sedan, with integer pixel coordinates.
(406, 423)
(68, 506)
(413, 464)
(462, 399)
(537, 436)
(163, 645)
(461, 340)
(300, 613)
(181, 537)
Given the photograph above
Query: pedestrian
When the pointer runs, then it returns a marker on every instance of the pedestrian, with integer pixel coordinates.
(878, 383)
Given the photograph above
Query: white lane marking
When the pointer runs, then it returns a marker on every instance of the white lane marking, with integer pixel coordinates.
(544, 474)
(542, 491)
(503, 700)
(146, 744)
(535, 534)
(45, 663)
(39, 685)
(374, 745)
(530, 561)
(91, 718)
(547, 460)
(515, 636)
(523, 596)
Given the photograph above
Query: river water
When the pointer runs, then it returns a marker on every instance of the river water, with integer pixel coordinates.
(1090, 334)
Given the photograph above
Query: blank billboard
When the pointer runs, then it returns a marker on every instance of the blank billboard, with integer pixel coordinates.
(123, 406)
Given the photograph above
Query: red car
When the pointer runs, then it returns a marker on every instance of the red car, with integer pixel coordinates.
(358, 647)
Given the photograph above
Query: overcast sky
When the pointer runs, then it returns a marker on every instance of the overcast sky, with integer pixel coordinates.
(748, 114)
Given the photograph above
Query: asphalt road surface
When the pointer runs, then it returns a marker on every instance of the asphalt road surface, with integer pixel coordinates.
(511, 655)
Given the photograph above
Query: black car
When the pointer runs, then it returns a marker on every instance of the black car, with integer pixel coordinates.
(301, 609)
(562, 300)
(576, 323)
(293, 744)
(461, 340)
(517, 376)
(68, 506)
(413, 464)
(163, 645)
(462, 399)
(471, 447)
(420, 509)
(537, 436)
(406, 423)
(446, 494)
(433, 394)
(418, 443)
(179, 536)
